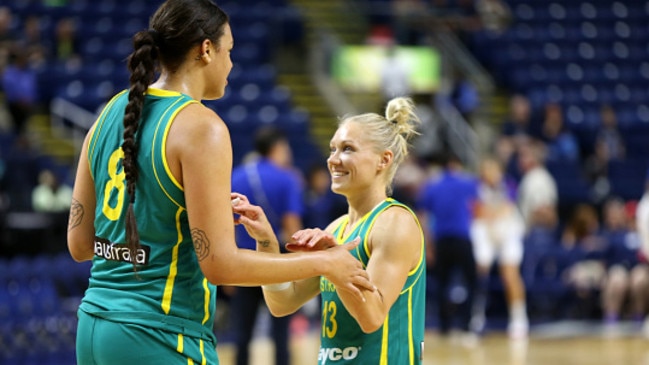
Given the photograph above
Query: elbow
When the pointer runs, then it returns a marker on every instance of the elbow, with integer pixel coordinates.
(368, 328)
(370, 325)
(80, 256)
(219, 278)
(279, 312)
(78, 251)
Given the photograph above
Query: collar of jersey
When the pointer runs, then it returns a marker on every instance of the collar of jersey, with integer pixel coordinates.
(162, 93)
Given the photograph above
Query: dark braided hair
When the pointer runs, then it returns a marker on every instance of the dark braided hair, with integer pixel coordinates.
(175, 28)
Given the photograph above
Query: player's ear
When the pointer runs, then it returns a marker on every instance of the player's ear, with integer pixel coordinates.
(386, 158)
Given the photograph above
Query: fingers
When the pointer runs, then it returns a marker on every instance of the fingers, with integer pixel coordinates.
(356, 292)
(241, 197)
(363, 282)
(352, 244)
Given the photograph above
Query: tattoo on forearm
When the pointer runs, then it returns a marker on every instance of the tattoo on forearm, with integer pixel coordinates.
(201, 244)
(76, 214)
(264, 243)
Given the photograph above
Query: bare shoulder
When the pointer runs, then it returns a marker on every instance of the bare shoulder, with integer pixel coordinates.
(397, 218)
(198, 126)
(396, 224)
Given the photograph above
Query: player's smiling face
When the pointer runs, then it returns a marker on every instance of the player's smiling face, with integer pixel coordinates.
(352, 160)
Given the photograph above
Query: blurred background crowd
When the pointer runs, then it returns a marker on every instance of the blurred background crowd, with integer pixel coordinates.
(553, 95)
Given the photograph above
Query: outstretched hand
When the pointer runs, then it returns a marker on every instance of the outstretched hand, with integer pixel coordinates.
(312, 239)
(252, 217)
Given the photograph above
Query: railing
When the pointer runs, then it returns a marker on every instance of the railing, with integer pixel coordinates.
(319, 54)
(79, 121)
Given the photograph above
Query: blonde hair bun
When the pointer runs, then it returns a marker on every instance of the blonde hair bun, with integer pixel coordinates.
(401, 112)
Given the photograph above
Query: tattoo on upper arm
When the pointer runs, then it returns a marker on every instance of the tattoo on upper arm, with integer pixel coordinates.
(76, 214)
(264, 243)
(201, 243)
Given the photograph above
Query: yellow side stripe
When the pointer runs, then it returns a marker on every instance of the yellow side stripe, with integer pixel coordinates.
(203, 359)
(384, 341)
(181, 345)
(207, 301)
(173, 267)
(411, 349)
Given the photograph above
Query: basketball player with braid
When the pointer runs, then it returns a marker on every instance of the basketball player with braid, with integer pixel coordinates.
(152, 204)
(386, 326)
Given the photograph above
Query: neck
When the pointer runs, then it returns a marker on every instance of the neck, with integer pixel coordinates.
(363, 203)
(180, 81)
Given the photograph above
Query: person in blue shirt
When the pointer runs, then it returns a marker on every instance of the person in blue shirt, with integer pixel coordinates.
(19, 86)
(446, 205)
(268, 180)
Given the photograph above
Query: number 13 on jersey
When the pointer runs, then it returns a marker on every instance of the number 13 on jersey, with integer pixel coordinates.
(329, 321)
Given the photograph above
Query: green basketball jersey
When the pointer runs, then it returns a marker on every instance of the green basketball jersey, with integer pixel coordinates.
(168, 291)
(400, 340)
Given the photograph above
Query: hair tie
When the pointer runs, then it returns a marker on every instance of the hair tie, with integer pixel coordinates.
(156, 36)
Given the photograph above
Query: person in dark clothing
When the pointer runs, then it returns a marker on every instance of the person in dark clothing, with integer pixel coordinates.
(268, 180)
(446, 205)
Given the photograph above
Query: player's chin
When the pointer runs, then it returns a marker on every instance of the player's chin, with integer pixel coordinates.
(215, 94)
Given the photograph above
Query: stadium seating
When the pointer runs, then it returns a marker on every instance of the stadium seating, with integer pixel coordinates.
(582, 55)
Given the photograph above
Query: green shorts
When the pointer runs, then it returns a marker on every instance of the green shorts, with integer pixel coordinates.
(100, 341)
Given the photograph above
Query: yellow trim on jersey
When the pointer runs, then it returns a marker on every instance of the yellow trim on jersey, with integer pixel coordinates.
(190, 361)
(153, 150)
(384, 341)
(411, 343)
(92, 142)
(164, 145)
(207, 301)
(181, 345)
(173, 267)
(161, 92)
(203, 359)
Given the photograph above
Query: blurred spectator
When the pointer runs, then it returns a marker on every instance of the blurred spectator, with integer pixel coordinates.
(321, 205)
(583, 248)
(561, 143)
(495, 15)
(19, 84)
(642, 219)
(609, 139)
(270, 182)
(515, 131)
(497, 234)
(537, 192)
(408, 180)
(627, 278)
(33, 43)
(66, 41)
(519, 121)
(445, 206)
(7, 36)
(407, 23)
(464, 95)
(642, 226)
(609, 146)
(50, 195)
